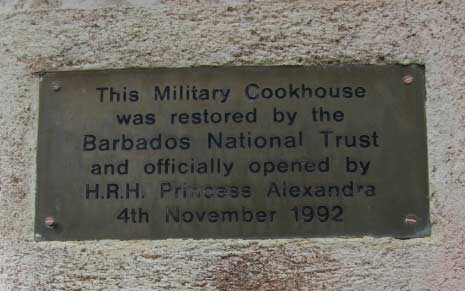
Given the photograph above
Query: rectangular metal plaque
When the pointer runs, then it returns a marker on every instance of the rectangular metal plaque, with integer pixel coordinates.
(233, 152)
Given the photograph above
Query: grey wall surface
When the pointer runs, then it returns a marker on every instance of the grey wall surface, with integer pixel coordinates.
(38, 36)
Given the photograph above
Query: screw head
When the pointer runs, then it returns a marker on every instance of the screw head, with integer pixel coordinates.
(56, 86)
(50, 222)
(407, 79)
(411, 219)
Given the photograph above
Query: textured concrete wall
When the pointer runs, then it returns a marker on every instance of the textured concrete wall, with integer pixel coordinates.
(45, 35)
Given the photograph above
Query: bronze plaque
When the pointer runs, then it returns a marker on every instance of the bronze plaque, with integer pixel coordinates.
(233, 152)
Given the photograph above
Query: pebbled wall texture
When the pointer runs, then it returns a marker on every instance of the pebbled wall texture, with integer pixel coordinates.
(41, 35)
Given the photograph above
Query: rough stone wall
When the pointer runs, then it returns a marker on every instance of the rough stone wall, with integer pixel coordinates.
(46, 35)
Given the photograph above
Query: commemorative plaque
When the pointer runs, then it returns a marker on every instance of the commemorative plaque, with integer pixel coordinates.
(233, 152)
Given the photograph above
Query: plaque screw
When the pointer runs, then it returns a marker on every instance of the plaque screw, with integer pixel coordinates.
(407, 79)
(411, 219)
(56, 86)
(50, 222)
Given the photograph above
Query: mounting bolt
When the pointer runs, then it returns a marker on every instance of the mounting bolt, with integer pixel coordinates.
(407, 79)
(50, 222)
(411, 219)
(56, 86)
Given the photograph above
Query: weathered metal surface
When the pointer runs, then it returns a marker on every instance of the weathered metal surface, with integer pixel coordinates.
(244, 152)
